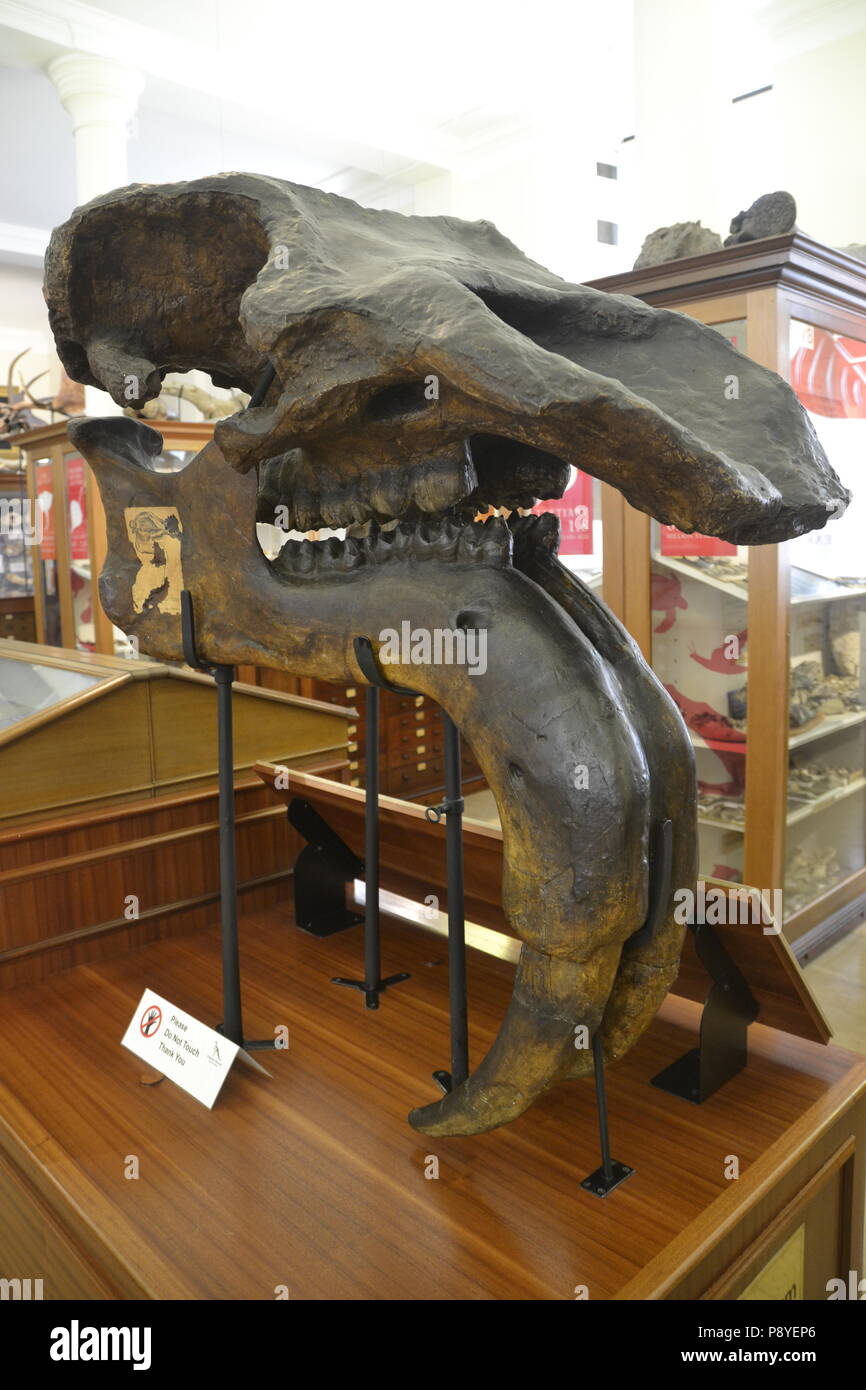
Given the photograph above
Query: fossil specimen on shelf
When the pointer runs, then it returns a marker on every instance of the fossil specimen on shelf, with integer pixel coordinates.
(812, 695)
(422, 368)
(773, 214)
(678, 240)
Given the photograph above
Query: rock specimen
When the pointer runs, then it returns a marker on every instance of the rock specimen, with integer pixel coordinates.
(808, 781)
(421, 368)
(812, 695)
(672, 243)
(845, 638)
(773, 214)
(808, 874)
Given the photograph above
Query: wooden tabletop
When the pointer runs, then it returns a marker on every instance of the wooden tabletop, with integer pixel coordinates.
(311, 1177)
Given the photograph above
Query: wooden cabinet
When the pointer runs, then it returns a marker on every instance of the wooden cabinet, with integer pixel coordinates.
(761, 646)
(411, 742)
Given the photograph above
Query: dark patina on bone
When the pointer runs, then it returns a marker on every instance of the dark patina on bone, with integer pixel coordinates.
(423, 369)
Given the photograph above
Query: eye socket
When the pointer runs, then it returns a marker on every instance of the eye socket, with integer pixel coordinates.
(397, 401)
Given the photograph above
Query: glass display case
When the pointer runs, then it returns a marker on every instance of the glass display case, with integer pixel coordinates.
(82, 729)
(761, 646)
(28, 688)
(71, 551)
(17, 604)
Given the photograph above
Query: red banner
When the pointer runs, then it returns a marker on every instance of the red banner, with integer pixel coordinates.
(45, 503)
(76, 502)
(828, 372)
(676, 542)
(574, 509)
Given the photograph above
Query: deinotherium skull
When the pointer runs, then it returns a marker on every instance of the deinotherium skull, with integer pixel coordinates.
(424, 369)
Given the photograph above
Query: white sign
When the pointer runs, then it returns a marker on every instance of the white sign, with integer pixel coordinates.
(186, 1051)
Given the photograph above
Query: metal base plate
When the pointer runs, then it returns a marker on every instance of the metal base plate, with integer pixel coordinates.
(328, 924)
(251, 1044)
(682, 1078)
(600, 1186)
(371, 992)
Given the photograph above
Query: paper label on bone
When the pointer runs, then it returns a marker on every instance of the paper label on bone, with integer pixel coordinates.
(155, 535)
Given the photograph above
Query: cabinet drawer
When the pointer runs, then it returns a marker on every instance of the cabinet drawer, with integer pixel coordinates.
(426, 773)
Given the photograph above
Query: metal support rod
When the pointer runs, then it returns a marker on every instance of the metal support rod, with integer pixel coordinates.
(601, 1097)
(456, 923)
(232, 1025)
(372, 954)
(372, 984)
(232, 1016)
(611, 1173)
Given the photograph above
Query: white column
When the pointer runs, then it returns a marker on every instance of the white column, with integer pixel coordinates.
(101, 97)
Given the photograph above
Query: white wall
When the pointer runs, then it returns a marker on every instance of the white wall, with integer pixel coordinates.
(822, 122)
(24, 324)
(699, 155)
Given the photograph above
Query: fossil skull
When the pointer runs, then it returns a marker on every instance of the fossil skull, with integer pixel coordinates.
(423, 368)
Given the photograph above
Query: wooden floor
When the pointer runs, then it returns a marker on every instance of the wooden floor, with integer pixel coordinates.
(311, 1178)
(838, 979)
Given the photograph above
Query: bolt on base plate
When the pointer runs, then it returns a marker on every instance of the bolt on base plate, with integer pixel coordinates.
(600, 1185)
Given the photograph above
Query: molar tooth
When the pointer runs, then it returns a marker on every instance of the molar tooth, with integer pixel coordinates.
(488, 540)
(305, 562)
(341, 513)
(442, 482)
(380, 543)
(404, 536)
(445, 544)
(353, 554)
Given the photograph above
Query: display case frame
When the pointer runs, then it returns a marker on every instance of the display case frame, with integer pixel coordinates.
(767, 285)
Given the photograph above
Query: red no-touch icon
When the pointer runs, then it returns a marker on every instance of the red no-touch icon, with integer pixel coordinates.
(150, 1020)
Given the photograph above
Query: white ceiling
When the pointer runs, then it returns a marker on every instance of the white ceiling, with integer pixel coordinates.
(340, 95)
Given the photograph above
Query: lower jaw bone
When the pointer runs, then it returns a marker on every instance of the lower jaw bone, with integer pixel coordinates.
(551, 722)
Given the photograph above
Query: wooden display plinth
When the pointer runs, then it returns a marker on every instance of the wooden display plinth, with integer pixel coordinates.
(310, 1179)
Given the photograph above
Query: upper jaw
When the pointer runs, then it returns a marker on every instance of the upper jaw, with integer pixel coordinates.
(335, 484)
(368, 304)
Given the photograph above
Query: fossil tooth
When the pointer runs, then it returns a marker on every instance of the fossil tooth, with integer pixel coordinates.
(305, 557)
(353, 553)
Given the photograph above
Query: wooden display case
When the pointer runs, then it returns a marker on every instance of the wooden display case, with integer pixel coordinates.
(118, 729)
(17, 600)
(108, 769)
(761, 645)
